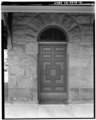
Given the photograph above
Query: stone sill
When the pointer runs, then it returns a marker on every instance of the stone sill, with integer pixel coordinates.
(36, 102)
(20, 102)
(81, 102)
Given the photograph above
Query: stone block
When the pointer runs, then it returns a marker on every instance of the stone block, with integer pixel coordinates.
(86, 93)
(86, 51)
(30, 31)
(58, 18)
(31, 71)
(15, 58)
(87, 72)
(73, 49)
(24, 29)
(22, 82)
(87, 38)
(74, 94)
(18, 31)
(46, 18)
(82, 19)
(84, 43)
(36, 22)
(22, 94)
(90, 82)
(31, 48)
(24, 32)
(22, 59)
(19, 48)
(16, 75)
(22, 19)
(78, 61)
(80, 77)
(12, 82)
(28, 59)
(75, 34)
(29, 82)
(76, 81)
(86, 29)
(22, 38)
(16, 70)
(68, 22)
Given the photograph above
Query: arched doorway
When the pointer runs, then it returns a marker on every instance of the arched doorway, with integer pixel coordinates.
(52, 66)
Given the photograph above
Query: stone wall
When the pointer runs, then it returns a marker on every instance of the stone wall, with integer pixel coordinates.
(22, 57)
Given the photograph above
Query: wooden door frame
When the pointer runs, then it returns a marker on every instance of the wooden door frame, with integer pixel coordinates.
(38, 65)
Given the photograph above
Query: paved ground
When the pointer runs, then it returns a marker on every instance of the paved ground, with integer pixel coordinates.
(48, 111)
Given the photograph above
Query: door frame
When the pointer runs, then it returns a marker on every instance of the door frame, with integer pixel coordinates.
(38, 65)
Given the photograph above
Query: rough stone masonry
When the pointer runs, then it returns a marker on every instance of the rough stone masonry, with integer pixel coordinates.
(22, 57)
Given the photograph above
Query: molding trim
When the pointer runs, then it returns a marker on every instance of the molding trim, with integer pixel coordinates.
(53, 9)
(52, 42)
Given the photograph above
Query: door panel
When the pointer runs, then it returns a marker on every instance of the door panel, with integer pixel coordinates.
(52, 73)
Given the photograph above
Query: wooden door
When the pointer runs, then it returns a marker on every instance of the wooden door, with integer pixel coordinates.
(52, 74)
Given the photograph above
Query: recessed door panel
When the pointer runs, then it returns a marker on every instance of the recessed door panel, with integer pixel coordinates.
(52, 72)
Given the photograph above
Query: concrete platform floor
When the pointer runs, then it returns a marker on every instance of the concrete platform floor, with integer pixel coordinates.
(49, 111)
